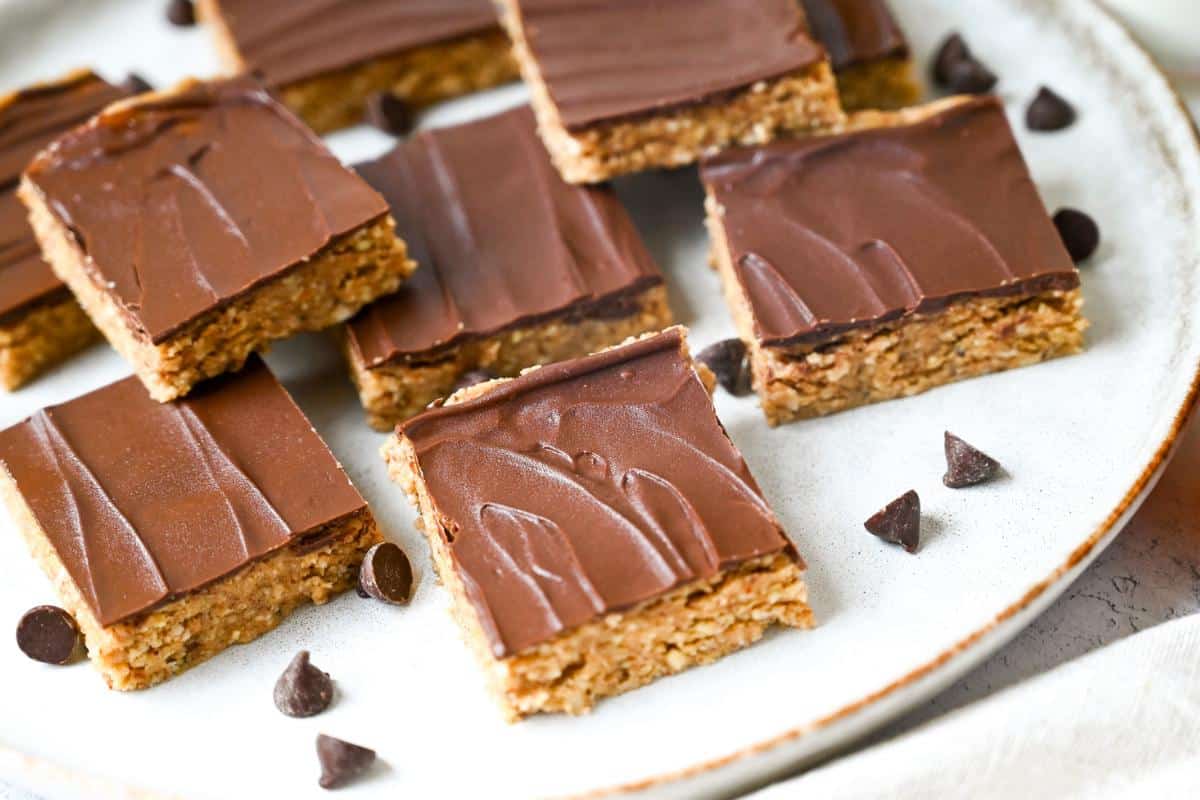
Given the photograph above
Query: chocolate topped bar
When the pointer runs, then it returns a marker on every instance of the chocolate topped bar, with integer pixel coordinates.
(500, 238)
(626, 58)
(834, 233)
(595, 484)
(855, 31)
(285, 41)
(29, 120)
(181, 203)
(145, 501)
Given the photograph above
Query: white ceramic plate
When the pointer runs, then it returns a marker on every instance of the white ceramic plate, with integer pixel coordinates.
(1082, 439)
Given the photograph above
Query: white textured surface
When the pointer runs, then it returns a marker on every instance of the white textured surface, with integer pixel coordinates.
(1075, 435)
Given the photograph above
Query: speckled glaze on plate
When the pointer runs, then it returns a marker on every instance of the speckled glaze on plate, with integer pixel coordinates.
(1082, 440)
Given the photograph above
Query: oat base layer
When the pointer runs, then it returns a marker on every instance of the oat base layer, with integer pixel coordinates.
(889, 84)
(42, 337)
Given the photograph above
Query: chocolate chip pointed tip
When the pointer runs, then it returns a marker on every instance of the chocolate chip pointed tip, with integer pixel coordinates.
(50, 635)
(303, 690)
(341, 761)
(729, 363)
(181, 13)
(386, 574)
(899, 522)
(953, 50)
(136, 84)
(967, 466)
(956, 68)
(1080, 233)
(1049, 111)
(390, 114)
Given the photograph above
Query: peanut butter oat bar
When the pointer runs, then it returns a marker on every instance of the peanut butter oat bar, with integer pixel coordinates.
(596, 527)
(325, 59)
(517, 268)
(868, 51)
(172, 530)
(908, 252)
(199, 225)
(41, 325)
(627, 86)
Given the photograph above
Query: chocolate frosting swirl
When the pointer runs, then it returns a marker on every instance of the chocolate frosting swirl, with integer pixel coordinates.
(855, 31)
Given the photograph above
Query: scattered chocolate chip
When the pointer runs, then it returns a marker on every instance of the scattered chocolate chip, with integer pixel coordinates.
(1079, 233)
(956, 68)
(50, 635)
(303, 690)
(474, 377)
(181, 13)
(386, 574)
(966, 466)
(136, 84)
(727, 360)
(390, 114)
(1048, 111)
(341, 762)
(899, 522)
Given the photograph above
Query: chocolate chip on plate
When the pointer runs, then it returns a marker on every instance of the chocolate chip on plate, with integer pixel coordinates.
(1079, 233)
(341, 761)
(899, 522)
(50, 635)
(475, 376)
(727, 359)
(956, 68)
(386, 574)
(1049, 111)
(390, 114)
(181, 13)
(136, 84)
(966, 466)
(303, 690)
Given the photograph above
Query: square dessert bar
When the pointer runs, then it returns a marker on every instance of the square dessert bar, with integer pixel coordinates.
(628, 85)
(517, 268)
(197, 226)
(326, 58)
(173, 530)
(41, 325)
(596, 526)
(908, 252)
(868, 51)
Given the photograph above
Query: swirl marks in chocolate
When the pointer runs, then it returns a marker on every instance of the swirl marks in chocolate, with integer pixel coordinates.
(855, 31)
(588, 487)
(840, 232)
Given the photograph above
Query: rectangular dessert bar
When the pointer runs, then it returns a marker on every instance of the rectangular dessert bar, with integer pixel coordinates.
(199, 225)
(908, 252)
(517, 268)
(326, 57)
(41, 325)
(625, 86)
(868, 51)
(173, 530)
(596, 526)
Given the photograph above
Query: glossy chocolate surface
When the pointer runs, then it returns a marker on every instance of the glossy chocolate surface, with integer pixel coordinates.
(855, 31)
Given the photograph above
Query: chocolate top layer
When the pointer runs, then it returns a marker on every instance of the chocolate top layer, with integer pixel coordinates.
(855, 31)
(501, 240)
(184, 201)
(29, 120)
(285, 41)
(621, 58)
(840, 232)
(586, 487)
(146, 501)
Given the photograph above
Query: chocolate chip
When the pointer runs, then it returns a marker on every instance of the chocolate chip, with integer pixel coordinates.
(953, 50)
(181, 13)
(386, 574)
(899, 522)
(727, 360)
(341, 762)
(472, 378)
(50, 635)
(1049, 112)
(390, 114)
(136, 84)
(1080, 233)
(303, 690)
(956, 68)
(966, 466)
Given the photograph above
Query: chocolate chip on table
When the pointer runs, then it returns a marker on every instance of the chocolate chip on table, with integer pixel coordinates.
(966, 466)
(899, 522)
(728, 361)
(956, 68)
(181, 13)
(1049, 111)
(475, 376)
(341, 761)
(303, 690)
(50, 635)
(390, 114)
(386, 574)
(136, 84)
(1080, 233)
